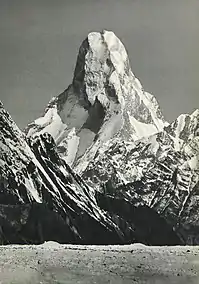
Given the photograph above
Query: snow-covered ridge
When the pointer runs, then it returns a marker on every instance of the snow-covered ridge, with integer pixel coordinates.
(15, 155)
(184, 129)
(105, 99)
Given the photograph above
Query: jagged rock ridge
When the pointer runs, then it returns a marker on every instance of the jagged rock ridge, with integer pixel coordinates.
(33, 172)
(41, 198)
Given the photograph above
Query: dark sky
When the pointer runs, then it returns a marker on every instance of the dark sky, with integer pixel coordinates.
(39, 41)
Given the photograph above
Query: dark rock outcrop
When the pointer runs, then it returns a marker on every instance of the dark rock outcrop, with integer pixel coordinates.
(140, 223)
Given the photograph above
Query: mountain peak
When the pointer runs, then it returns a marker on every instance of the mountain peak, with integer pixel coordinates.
(107, 46)
(104, 100)
(102, 57)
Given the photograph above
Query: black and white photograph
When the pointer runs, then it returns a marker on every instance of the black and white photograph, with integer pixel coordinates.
(99, 142)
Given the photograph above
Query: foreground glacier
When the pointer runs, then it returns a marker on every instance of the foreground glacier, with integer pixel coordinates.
(53, 263)
(102, 161)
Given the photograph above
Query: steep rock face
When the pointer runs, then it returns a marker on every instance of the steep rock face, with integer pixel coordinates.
(104, 100)
(140, 222)
(35, 173)
(189, 225)
(15, 160)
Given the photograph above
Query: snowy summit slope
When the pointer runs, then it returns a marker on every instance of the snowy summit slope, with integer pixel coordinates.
(104, 100)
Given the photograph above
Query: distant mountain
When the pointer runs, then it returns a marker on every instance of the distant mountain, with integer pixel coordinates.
(101, 166)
